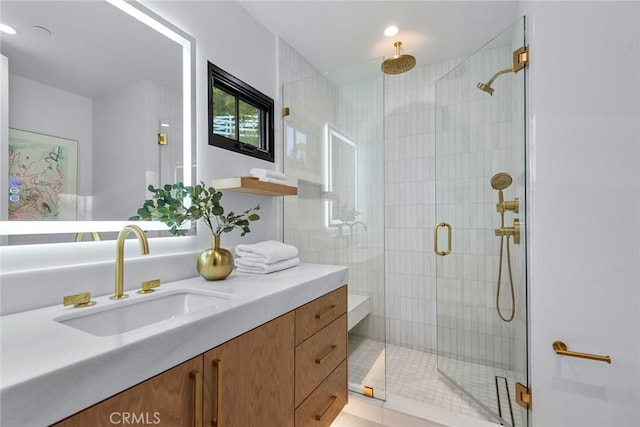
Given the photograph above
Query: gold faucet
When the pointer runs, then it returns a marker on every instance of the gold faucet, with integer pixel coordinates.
(144, 249)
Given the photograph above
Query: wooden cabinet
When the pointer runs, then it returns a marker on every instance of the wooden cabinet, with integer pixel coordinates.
(320, 359)
(289, 371)
(172, 398)
(249, 380)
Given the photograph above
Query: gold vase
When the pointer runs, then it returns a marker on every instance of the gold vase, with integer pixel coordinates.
(215, 263)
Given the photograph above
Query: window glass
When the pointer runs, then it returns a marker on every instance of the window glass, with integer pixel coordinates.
(224, 113)
(249, 123)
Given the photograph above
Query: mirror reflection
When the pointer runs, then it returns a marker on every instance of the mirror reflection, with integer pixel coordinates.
(342, 175)
(96, 108)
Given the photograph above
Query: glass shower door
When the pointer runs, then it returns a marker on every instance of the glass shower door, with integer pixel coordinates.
(334, 148)
(480, 237)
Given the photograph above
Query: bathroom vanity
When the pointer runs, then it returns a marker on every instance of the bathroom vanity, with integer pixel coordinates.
(272, 351)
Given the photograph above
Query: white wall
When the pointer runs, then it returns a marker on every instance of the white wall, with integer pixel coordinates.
(584, 201)
(230, 38)
(125, 125)
(43, 109)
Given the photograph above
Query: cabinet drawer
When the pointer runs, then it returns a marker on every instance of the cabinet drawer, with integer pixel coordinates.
(317, 314)
(318, 356)
(326, 401)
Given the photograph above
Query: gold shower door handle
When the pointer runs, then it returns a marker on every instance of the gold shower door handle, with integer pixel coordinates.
(561, 349)
(435, 239)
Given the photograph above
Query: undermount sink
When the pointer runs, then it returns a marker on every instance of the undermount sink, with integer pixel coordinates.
(125, 316)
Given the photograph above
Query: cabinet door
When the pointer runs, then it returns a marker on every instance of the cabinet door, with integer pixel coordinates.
(249, 380)
(172, 398)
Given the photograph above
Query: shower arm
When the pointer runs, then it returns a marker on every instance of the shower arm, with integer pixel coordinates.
(499, 73)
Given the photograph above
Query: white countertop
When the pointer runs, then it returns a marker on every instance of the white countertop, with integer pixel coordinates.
(50, 370)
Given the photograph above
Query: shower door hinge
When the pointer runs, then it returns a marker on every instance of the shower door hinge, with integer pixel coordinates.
(523, 396)
(520, 58)
(285, 111)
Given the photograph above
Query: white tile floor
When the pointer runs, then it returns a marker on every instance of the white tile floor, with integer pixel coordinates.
(412, 376)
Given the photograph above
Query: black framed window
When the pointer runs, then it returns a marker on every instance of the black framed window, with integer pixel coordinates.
(240, 117)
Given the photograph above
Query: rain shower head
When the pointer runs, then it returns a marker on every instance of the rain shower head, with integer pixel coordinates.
(501, 180)
(398, 63)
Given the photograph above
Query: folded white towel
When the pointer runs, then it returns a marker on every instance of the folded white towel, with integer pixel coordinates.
(273, 180)
(267, 252)
(266, 173)
(244, 266)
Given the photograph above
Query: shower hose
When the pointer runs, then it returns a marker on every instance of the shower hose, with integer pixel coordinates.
(513, 298)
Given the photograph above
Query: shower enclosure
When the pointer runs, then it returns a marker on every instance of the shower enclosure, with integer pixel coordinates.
(480, 196)
(379, 160)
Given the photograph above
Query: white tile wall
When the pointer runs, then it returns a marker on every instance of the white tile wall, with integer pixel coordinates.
(410, 205)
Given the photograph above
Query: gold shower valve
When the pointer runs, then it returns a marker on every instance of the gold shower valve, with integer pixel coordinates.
(508, 205)
(511, 231)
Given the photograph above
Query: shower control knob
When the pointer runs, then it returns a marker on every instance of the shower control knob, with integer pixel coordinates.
(511, 231)
(508, 205)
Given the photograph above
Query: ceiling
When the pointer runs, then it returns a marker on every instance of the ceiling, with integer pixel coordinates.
(333, 35)
(86, 47)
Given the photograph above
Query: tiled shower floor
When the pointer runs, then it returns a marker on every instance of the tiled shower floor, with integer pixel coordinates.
(413, 375)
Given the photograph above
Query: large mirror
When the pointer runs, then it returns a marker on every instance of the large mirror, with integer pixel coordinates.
(100, 102)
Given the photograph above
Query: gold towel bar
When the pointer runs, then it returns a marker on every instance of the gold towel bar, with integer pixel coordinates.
(561, 349)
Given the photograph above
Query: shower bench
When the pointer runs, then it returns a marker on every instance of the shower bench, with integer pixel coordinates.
(358, 307)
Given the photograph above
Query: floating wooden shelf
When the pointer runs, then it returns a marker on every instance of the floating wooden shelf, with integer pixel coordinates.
(251, 184)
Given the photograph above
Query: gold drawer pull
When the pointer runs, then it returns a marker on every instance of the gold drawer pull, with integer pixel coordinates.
(561, 349)
(319, 416)
(197, 397)
(216, 421)
(320, 360)
(327, 311)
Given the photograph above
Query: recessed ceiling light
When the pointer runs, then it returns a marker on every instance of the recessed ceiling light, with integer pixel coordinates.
(8, 29)
(391, 31)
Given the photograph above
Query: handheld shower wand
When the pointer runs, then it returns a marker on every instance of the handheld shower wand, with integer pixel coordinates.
(501, 181)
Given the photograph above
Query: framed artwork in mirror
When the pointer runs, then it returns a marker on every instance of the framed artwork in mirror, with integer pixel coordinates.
(42, 177)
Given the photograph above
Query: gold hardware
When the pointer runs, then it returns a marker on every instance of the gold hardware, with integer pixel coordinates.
(216, 421)
(78, 300)
(285, 112)
(511, 231)
(505, 206)
(144, 249)
(435, 239)
(148, 286)
(320, 360)
(368, 391)
(197, 397)
(324, 313)
(561, 349)
(162, 139)
(80, 236)
(523, 396)
(319, 416)
(520, 58)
